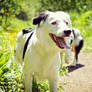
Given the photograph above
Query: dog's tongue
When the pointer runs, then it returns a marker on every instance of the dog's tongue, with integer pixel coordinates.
(61, 43)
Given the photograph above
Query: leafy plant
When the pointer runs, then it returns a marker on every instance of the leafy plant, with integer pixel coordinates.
(10, 75)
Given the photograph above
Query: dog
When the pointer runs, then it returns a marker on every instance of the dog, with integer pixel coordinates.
(76, 41)
(38, 49)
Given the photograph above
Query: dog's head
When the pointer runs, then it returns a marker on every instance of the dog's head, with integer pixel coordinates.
(56, 24)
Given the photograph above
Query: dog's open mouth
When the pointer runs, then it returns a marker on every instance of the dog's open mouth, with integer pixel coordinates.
(60, 42)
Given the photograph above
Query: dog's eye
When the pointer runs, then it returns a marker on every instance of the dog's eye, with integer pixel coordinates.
(66, 22)
(54, 23)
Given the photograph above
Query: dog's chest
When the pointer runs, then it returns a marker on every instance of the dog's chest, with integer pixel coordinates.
(41, 62)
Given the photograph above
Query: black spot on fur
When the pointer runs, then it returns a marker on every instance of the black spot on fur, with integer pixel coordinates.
(39, 18)
(27, 30)
(71, 42)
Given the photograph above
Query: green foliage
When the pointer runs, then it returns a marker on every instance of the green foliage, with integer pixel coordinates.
(35, 85)
(63, 71)
(10, 76)
(21, 9)
(40, 86)
(9, 6)
(15, 25)
(43, 86)
(66, 5)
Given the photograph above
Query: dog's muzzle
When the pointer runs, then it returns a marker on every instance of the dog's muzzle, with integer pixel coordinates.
(60, 41)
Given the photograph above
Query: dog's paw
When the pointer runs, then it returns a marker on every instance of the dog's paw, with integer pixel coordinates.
(74, 63)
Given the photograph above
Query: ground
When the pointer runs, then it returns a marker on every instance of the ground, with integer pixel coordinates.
(79, 79)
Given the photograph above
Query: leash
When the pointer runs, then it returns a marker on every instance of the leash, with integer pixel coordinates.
(26, 44)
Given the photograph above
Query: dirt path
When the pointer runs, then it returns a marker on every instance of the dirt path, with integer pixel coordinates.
(79, 79)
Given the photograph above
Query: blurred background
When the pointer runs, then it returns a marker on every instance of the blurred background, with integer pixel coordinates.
(16, 15)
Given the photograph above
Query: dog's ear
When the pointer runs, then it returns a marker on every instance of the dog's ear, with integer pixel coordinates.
(41, 17)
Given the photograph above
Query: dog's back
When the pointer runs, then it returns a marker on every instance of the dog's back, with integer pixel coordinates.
(21, 41)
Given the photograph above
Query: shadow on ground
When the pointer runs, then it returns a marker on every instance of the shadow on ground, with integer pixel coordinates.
(72, 68)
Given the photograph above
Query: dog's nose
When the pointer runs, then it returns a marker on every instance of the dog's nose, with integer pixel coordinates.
(67, 32)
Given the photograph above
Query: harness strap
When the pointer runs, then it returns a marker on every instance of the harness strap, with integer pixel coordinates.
(26, 45)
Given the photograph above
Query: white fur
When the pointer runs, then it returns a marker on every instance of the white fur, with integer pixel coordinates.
(42, 57)
(78, 37)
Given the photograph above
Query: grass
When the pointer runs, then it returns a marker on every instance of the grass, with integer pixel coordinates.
(11, 78)
(15, 25)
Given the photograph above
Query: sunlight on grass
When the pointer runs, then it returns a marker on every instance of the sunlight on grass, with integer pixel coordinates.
(10, 76)
(11, 37)
(87, 45)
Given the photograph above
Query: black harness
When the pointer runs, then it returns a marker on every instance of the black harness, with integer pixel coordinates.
(25, 31)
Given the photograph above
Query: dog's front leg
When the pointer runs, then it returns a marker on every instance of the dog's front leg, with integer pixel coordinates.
(61, 56)
(53, 81)
(53, 85)
(28, 82)
(67, 55)
(75, 61)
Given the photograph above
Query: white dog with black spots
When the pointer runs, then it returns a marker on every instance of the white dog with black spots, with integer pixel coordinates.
(38, 49)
